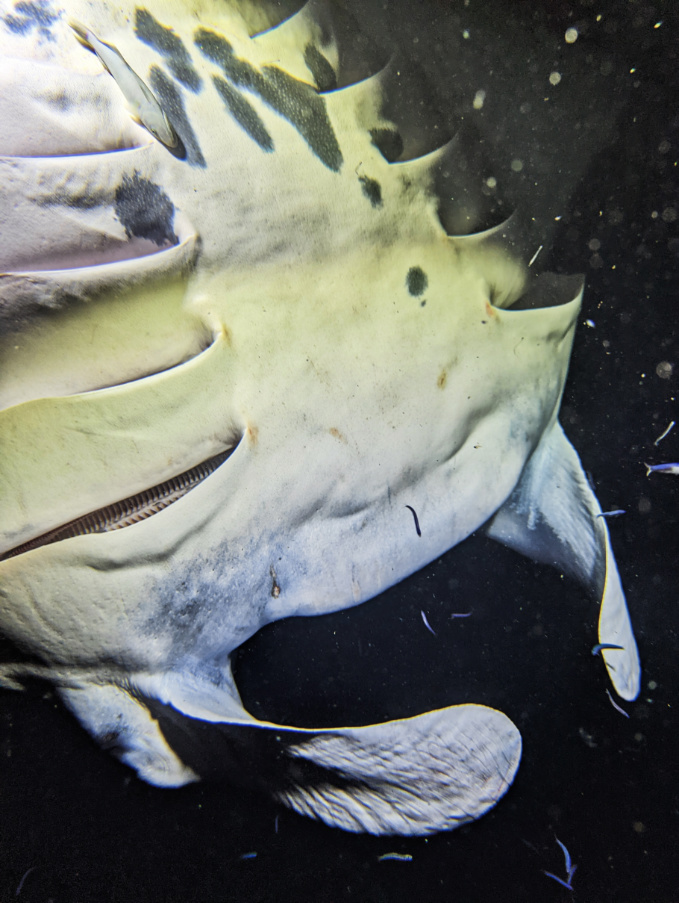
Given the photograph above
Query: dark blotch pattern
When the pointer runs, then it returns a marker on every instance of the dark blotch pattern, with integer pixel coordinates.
(173, 104)
(244, 113)
(416, 281)
(388, 142)
(321, 71)
(32, 14)
(295, 101)
(166, 42)
(372, 190)
(145, 210)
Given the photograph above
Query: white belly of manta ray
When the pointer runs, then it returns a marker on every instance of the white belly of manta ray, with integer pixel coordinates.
(261, 357)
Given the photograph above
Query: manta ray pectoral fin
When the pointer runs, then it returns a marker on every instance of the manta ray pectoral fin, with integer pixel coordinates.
(551, 516)
(413, 776)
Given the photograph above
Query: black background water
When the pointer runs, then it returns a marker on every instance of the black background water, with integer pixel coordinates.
(603, 146)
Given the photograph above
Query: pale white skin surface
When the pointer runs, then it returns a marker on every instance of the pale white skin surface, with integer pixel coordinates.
(347, 397)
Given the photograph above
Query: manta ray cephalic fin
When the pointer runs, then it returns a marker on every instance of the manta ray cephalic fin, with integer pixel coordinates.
(412, 776)
(551, 516)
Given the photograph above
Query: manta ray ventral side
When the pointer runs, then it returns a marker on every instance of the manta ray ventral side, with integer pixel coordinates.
(247, 318)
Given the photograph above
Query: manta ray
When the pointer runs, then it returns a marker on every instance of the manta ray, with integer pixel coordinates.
(264, 354)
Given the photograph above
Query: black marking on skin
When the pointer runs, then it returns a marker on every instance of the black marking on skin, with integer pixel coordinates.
(145, 210)
(417, 523)
(295, 101)
(128, 511)
(173, 104)
(388, 142)
(306, 111)
(163, 39)
(244, 113)
(30, 14)
(372, 190)
(321, 70)
(416, 281)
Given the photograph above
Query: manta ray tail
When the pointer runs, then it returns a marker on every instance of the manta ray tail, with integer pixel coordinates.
(552, 517)
(413, 776)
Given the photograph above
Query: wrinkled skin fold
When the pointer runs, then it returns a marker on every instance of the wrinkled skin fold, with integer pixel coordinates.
(229, 363)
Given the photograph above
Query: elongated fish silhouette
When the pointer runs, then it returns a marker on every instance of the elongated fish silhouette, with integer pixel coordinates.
(252, 338)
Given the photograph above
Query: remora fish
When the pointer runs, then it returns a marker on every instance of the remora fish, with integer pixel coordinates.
(226, 376)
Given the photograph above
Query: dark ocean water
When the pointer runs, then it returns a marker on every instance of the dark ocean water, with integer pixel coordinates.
(604, 149)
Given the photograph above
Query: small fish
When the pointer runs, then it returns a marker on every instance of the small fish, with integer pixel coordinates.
(560, 881)
(417, 523)
(570, 868)
(461, 614)
(661, 468)
(615, 513)
(662, 435)
(599, 646)
(395, 857)
(566, 856)
(534, 257)
(246, 856)
(427, 624)
(141, 101)
(25, 875)
(616, 706)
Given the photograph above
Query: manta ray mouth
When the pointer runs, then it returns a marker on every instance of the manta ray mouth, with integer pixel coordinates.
(128, 511)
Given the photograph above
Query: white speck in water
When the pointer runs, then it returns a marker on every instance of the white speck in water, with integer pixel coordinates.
(664, 369)
(491, 182)
(590, 323)
(571, 35)
(554, 78)
(465, 34)
(479, 98)
(517, 165)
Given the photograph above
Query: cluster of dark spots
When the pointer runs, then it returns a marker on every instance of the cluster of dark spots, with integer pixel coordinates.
(166, 42)
(416, 281)
(30, 14)
(244, 113)
(173, 105)
(294, 100)
(321, 71)
(144, 210)
(388, 142)
(372, 190)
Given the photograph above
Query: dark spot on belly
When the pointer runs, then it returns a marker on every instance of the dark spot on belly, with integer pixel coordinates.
(442, 380)
(145, 210)
(416, 281)
(372, 190)
(244, 113)
(32, 14)
(292, 99)
(166, 42)
(173, 104)
(322, 72)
